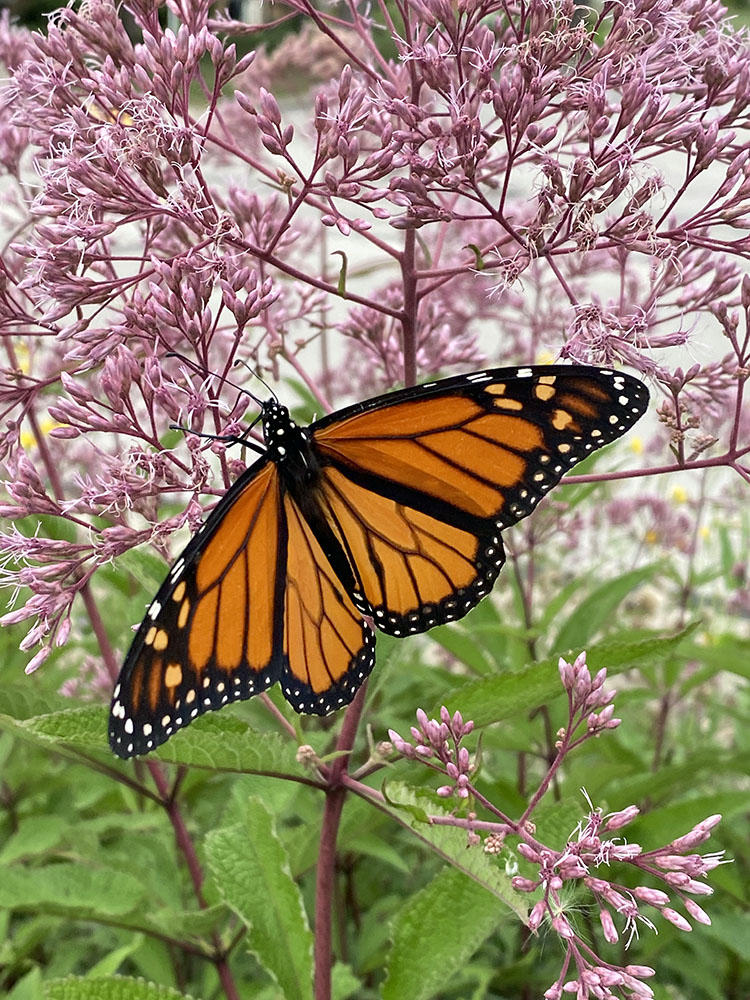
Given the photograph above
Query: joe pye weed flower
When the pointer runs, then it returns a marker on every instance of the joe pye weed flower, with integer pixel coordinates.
(451, 186)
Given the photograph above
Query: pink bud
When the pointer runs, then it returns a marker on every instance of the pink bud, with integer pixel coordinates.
(63, 632)
(562, 926)
(697, 888)
(608, 926)
(640, 971)
(537, 914)
(697, 912)
(36, 661)
(608, 977)
(269, 106)
(698, 835)
(566, 673)
(529, 853)
(654, 897)
(521, 884)
(626, 852)
(675, 918)
(637, 987)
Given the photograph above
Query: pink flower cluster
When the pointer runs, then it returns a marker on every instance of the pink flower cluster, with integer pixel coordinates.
(502, 188)
(590, 854)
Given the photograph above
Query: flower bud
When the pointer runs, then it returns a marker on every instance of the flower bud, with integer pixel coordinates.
(676, 918)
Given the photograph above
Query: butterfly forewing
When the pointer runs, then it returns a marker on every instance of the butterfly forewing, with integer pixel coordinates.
(209, 637)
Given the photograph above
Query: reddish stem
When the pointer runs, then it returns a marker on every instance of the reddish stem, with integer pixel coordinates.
(187, 848)
(326, 871)
(409, 315)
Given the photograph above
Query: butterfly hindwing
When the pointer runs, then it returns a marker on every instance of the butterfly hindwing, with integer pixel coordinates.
(413, 569)
(328, 648)
(211, 634)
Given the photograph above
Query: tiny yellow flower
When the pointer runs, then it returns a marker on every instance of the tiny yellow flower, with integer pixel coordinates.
(28, 438)
(636, 445)
(652, 537)
(679, 494)
(704, 531)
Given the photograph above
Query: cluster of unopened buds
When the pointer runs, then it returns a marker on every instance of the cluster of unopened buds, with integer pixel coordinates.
(439, 744)
(589, 703)
(677, 866)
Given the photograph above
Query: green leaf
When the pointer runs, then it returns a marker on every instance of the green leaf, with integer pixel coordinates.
(146, 566)
(341, 283)
(196, 924)
(344, 983)
(223, 742)
(35, 834)
(478, 259)
(495, 698)
(449, 842)
(251, 869)
(465, 647)
(730, 931)
(71, 888)
(218, 742)
(557, 602)
(436, 933)
(109, 988)
(597, 609)
(375, 847)
(78, 727)
(109, 965)
(28, 988)
(672, 780)
(729, 652)
(24, 699)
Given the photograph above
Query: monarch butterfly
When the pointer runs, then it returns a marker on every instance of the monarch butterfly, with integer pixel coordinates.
(386, 513)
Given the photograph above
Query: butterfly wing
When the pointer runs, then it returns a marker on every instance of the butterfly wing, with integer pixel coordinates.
(403, 523)
(213, 632)
(328, 648)
(418, 484)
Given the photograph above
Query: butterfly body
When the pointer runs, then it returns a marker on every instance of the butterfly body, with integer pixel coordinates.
(388, 512)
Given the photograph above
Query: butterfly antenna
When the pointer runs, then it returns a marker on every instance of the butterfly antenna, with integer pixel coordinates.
(202, 371)
(241, 361)
(242, 439)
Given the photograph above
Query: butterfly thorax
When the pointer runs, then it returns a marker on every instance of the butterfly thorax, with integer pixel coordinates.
(289, 447)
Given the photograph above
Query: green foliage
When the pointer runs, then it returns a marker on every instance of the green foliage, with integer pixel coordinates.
(421, 963)
(108, 988)
(251, 870)
(95, 899)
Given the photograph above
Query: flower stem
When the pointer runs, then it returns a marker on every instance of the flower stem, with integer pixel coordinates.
(326, 871)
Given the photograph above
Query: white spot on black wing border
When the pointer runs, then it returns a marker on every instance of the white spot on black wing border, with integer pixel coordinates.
(629, 400)
(131, 736)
